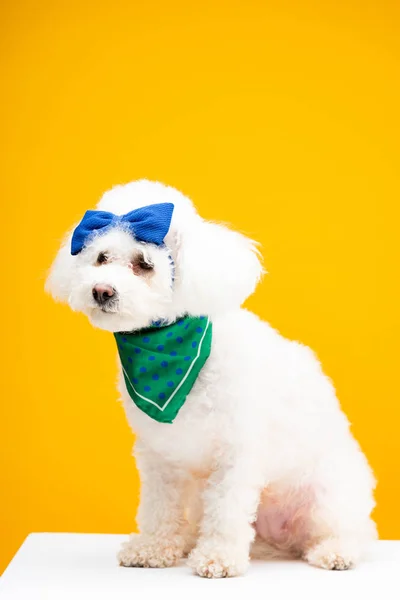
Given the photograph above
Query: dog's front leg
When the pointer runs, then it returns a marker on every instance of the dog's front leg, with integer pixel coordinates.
(230, 499)
(161, 541)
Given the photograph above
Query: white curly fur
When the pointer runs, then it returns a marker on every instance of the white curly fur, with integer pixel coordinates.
(260, 458)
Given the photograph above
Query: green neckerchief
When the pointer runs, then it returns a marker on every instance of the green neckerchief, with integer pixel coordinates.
(161, 364)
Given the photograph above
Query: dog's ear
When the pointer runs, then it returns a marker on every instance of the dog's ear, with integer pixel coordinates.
(217, 268)
(60, 276)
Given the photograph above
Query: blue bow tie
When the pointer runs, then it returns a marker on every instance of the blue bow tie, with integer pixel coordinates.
(148, 224)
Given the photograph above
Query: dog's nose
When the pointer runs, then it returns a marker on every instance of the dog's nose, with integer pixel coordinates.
(102, 293)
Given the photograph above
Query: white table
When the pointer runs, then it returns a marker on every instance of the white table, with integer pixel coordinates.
(58, 566)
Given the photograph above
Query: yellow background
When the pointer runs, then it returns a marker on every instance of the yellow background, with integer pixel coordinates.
(281, 118)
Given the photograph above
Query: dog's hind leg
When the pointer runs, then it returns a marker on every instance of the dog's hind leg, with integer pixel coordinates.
(339, 522)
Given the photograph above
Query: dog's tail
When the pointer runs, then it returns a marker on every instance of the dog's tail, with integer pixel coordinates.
(262, 550)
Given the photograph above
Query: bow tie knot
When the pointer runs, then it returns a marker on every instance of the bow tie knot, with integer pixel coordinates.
(148, 224)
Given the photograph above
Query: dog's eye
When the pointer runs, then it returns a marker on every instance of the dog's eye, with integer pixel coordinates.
(141, 265)
(145, 264)
(102, 258)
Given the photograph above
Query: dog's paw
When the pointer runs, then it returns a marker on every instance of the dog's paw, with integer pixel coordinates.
(217, 563)
(140, 551)
(330, 554)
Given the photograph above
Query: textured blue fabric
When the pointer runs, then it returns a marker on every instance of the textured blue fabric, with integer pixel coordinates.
(148, 224)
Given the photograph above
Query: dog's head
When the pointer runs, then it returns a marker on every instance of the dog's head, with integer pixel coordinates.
(123, 284)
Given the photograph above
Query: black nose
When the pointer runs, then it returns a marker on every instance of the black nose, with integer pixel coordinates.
(103, 293)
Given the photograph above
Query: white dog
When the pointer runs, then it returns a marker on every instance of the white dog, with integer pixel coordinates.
(259, 459)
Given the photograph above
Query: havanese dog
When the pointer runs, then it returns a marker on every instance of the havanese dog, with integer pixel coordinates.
(242, 447)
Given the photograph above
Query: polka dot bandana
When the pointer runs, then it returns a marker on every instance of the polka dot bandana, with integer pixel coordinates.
(161, 364)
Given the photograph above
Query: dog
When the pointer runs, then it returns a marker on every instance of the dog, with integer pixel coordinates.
(259, 460)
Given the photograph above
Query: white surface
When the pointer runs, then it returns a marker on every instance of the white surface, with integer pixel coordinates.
(83, 566)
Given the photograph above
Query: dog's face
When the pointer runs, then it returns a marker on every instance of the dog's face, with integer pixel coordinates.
(123, 284)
